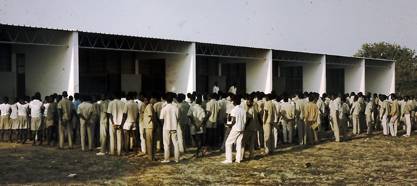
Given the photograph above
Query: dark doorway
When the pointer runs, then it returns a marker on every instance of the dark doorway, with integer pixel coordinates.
(293, 79)
(335, 80)
(20, 72)
(235, 73)
(153, 75)
(100, 71)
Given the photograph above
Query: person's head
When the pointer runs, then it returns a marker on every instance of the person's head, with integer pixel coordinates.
(236, 100)
(5, 100)
(64, 94)
(37, 96)
(393, 96)
(169, 98)
(71, 98)
(215, 83)
(355, 98)
(181, 98)
(249, 101)
(311, 98)
(76, 96)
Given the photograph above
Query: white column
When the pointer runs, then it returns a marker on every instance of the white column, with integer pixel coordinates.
(181, 71)
(259, 74)
(73, 65)
(392, 78)
(314, 75)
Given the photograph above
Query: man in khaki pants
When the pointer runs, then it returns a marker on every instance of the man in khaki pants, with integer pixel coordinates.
(311, 113)
(115, 114)
(334, 106)
(268, 119)
(85, 111)
(130, 118)
(169, 118)
(147, 122)
(104, 125)
(65, 118)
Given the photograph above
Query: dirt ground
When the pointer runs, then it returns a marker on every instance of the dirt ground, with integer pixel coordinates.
(374, 160)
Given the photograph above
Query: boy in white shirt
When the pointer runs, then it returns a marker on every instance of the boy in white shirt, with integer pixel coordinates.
(238, 117)
(4, 117)
(22, 115)
(14, 123)
(36, 108)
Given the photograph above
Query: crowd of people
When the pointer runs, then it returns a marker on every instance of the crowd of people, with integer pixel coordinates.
(121, 124)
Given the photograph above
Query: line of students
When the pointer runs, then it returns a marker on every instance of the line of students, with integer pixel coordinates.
(122, 124)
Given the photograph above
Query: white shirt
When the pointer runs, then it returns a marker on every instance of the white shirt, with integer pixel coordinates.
(169, 114)
(45, 111)
(240, 116)
(22, 109)
(232, 90)
(4, 109)
(116, 110)
(13, 115)
(216, 89)
(35, 108)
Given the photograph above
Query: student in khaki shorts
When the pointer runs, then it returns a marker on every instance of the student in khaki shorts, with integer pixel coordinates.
(36, 109)
(22, 117)
(50, 118)
(14, 122)
(65, 120)
(130, 118)
(85, 111)
(4, 117)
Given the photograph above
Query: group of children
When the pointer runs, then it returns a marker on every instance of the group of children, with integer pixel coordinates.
(120, 124)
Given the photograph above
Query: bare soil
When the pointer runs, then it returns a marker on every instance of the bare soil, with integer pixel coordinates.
(364, 160)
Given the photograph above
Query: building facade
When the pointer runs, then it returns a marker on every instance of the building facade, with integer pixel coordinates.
(70, 49)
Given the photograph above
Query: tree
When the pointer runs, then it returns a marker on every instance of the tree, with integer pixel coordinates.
(405, 67)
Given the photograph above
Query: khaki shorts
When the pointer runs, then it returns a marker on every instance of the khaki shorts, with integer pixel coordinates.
(23, 122)
(4, 122)
(14, 123)
(35, 124)
(49, 122)
(129, 126)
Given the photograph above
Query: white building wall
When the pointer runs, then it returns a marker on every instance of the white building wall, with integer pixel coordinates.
(259, 74)
(380, 80)
(51, 69)
(324, 26)
(355, 76)
(181, 71)
(314, 75)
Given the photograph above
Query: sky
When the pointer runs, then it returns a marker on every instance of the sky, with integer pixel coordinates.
(337, 27)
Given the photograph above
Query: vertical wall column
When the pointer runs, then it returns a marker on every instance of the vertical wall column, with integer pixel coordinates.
(314, 75)
(355, 76)
(259, 74)
(73, 64)
(181, 71)
(391, 77)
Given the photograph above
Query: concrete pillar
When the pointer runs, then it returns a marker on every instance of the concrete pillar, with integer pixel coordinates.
(355, 76)
(181, 71)
(314, 75)
(259, 74)
(72, 64)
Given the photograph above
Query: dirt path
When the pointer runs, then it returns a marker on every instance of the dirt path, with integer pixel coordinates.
(376, 160)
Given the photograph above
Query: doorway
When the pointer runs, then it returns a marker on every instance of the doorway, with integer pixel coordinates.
(153, 75)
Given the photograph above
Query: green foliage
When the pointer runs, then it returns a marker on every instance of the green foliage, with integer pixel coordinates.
(405, 67)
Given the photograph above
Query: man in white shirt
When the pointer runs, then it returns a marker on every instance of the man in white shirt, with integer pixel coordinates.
(86, 112)
(169, 118)
(36, 108)
(216, 88)
(130, 118)
(115, 114)
(238, 116)
(212, 109)
(4, 117)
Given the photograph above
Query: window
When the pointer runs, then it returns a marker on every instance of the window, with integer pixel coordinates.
(5, 58)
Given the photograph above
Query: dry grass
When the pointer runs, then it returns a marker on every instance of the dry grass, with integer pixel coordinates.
(376, 160)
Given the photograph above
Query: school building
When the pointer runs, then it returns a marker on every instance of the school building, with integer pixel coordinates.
(77, 49)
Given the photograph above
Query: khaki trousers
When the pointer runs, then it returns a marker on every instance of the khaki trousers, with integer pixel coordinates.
(168, 137)
(356, 124)
(115, 140)
(104, 126)
(150, 144)
(86, 126)
(287, 130)
(267, 128)
(65, 127)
